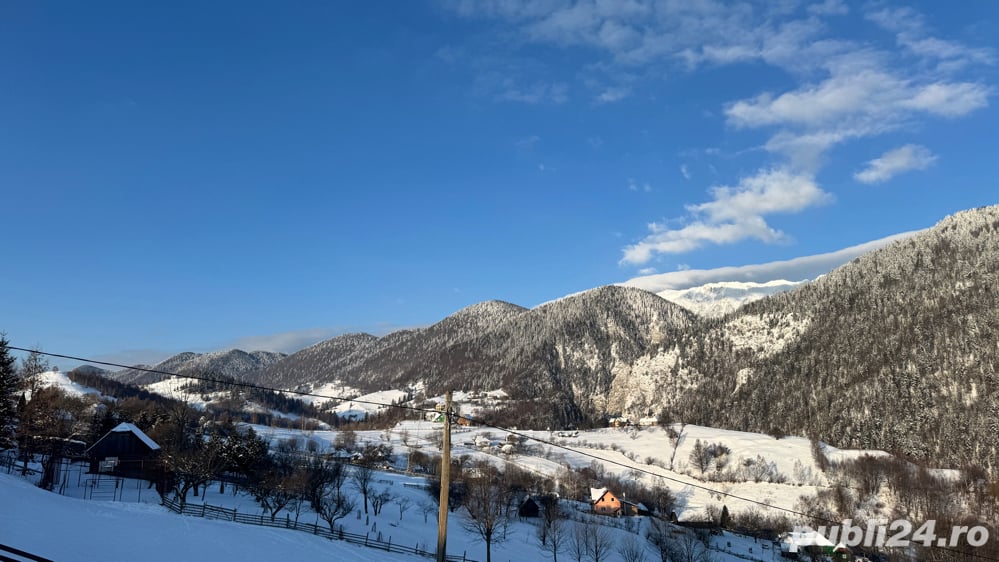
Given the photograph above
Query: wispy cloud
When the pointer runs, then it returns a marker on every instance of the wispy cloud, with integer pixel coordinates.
(894, 162)
(685, 172)
(509, 88)
(797, 269)
(613, 94)
(639, 186)
(527, 142)
(884, 70)
(829, 8)
(734, 214)
(859, 99)
(913, 34)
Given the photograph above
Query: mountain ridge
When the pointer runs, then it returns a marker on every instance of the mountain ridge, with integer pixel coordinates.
(895, 349)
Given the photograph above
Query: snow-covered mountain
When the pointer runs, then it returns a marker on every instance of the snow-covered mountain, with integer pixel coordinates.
(228, 363)
(894, 350)
(720, 298)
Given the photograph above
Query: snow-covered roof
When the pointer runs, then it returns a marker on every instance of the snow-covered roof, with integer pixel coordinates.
(597, 493)
(127, 427)
(804, 536)
(639, 505)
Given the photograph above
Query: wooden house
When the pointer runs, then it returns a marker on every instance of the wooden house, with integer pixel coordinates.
(605, 502)
(125, 451)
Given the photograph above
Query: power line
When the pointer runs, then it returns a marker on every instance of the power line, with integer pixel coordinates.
(253, 386)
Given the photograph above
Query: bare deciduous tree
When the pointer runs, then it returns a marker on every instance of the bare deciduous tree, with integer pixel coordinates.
(631, 549)
(488, 504)
(362, 476)
(404, 504)
(379, 500)
(554, 536)
(576, 544)
(599, 542)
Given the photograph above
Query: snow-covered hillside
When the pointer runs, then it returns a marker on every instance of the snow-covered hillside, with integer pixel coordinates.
(717, 299)
(64, 528)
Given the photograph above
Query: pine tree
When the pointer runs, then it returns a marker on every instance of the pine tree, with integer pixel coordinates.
(9, 383)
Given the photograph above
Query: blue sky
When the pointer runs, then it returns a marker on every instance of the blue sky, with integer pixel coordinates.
(195, 176)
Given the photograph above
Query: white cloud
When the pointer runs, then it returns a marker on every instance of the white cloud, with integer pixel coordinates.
(636, 186)
(611, 95)
(829, 8)
(527, 142)
(894, 162)
(912, 34)
(685, 171)
(859, 99)
(768, 192)
(847, 82)
(510, 86)
(805, 267)
(734, 214)
(949, 100)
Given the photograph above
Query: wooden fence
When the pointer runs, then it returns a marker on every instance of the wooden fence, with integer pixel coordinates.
(214, 512)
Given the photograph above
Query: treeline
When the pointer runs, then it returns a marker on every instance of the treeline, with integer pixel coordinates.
(896, 351)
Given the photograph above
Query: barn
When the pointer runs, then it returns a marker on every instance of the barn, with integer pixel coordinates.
(124, 451)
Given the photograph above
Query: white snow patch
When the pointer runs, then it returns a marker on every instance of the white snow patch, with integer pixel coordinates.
(765, 335)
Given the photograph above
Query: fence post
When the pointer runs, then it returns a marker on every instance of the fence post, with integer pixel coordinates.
(203, 510)
(365, 539)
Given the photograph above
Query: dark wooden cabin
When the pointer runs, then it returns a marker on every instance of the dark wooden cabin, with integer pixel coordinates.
(125, 451)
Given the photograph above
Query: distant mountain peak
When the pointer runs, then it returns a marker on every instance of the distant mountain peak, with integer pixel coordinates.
(714, 300)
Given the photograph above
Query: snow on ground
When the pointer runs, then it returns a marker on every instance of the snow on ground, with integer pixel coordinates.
(622, 452)
(134, 527)
(60, 380)
(714, 300)
(63, 528)
(173, 387)
(326, 392)
(765, 335)
(84, 526)
(359, 407)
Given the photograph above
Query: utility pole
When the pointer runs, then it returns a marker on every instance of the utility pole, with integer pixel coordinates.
(445, 481)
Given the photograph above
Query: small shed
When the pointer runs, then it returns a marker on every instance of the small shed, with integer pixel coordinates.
(634, 508)
(124, 451)
(529, 508)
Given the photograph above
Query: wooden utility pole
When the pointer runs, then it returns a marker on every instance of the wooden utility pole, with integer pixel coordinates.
(445, 481)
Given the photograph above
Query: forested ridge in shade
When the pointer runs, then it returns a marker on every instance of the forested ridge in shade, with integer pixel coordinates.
(230, 362)
(897, 350)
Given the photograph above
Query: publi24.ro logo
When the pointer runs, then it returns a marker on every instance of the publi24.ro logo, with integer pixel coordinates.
(900, 533)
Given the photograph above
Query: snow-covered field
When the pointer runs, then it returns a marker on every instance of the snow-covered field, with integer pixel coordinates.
(64, 528)
(622, 452)
(75, 528)
(136, 527)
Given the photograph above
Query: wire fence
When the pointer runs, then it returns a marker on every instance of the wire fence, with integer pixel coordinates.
(225, 514)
